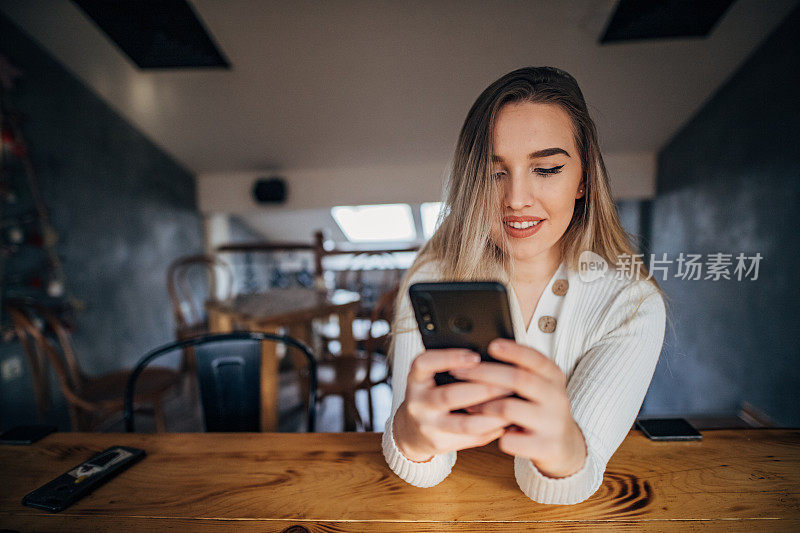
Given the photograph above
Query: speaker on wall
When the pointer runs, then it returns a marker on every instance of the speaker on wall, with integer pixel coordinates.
(270, 190)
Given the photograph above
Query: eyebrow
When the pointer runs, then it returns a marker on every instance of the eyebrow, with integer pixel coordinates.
(539, 153)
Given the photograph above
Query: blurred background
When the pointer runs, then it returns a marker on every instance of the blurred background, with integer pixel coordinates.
(260, 148)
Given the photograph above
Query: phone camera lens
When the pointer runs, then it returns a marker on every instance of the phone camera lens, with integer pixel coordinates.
(461, 324)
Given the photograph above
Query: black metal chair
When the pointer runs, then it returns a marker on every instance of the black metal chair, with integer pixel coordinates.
(228, 371)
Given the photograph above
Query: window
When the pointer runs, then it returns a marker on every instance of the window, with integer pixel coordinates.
(429, 212)
(374, 223)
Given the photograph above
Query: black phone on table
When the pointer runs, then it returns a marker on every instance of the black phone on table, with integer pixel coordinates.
(26, 434)
(461, 314)
(668, 429)
(71, 486)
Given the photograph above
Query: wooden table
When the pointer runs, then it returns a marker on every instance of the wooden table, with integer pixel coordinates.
(293, 309)
(732, 480)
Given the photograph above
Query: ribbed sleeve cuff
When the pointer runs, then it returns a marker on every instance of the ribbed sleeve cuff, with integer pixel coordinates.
(562, 491)
(425, 474)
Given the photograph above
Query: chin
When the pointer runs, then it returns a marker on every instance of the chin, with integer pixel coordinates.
(524, 253)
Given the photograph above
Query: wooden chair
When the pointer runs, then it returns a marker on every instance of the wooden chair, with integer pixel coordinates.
(91, 400)
(188, 306)
(346, 374)
(377, 344)
(37, 360)
(355, 278)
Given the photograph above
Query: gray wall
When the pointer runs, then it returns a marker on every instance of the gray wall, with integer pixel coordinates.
(123, 209)
(729, 182)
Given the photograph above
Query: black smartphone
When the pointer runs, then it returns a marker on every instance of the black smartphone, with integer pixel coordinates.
(668, 429)
(27, 434)
(71, 486)
(461, 314)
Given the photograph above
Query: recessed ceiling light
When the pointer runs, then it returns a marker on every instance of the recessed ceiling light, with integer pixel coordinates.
(156, 34)
(659, 19)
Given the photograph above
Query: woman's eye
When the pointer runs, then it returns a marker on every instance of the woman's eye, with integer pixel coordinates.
(548, 171)
(541, 171)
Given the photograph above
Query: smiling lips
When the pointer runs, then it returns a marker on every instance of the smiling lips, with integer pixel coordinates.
(521, 227)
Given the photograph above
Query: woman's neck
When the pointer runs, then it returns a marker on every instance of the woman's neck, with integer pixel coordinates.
(536, 270)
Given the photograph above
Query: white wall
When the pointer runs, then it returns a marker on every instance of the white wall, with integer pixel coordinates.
(632, 176)
(231, 192)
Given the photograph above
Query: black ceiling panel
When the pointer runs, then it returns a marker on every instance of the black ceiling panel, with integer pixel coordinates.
(659, 19)
(156, 34)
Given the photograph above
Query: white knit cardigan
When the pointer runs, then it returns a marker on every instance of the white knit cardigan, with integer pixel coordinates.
(608, 363)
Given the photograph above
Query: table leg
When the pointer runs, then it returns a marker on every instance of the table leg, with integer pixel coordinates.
(304, 332)
(348, 342)
(219, 322)
(269, 382)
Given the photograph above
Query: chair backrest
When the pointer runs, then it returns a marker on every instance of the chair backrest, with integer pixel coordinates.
(370, 274)
(31, 340)
(40, 349)
(229, 376)
(382, 312)
(187, 305)
(229, 370)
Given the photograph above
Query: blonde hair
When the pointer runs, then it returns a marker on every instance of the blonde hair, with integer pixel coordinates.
(462, 246)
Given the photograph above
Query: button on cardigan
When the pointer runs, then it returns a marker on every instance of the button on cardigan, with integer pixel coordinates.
(607, 341)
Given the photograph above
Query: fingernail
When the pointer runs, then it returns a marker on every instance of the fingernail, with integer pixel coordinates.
(496, 345)
(472, 358)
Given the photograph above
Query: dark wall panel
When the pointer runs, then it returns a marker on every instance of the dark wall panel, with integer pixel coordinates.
(729, 182)
(123, 209)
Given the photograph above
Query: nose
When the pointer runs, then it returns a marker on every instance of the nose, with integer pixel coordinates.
(517, 194)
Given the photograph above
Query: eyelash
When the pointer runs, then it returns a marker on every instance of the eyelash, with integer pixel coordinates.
(543, 172)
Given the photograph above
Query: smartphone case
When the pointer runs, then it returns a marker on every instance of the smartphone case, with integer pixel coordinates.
(26, 434)
(464, 314)
(665, 429)
(66, 489)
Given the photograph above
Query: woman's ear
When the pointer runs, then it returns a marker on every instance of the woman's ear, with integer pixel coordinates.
(581, 191)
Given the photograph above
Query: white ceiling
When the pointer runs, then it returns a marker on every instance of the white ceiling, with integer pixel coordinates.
(354, 83)
(362, 84)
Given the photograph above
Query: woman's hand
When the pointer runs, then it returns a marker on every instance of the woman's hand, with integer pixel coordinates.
(424, 426)
(545, 431)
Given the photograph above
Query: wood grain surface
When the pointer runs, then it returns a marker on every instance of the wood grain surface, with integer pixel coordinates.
(283, 306)
(732, 480)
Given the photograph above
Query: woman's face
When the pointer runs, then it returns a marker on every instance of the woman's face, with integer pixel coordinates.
(539, 173)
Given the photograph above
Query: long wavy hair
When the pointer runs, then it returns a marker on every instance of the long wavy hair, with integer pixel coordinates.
(462, 246)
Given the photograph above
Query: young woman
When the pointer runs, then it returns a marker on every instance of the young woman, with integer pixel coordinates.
(527, 195)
